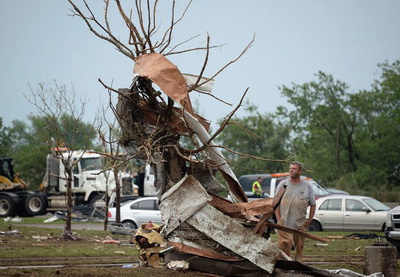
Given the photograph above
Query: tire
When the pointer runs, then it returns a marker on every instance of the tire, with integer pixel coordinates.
(80, 200)
(36, 204)
(129, 224)
(96, 199)
(315, 226)
(7, 207)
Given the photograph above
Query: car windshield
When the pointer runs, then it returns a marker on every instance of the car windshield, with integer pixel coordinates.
(91, 164)
(319, 190)
(376, 205)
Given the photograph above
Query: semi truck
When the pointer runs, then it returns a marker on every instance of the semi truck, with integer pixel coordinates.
(90, 183)
(145, 181)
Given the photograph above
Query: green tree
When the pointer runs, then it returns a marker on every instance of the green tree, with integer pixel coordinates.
(5, 139)
(324, 126)
(348, 138)
(256, 135)
(379, 111)
(31, 143)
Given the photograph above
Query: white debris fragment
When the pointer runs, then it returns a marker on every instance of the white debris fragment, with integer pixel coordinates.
(349, 273)
(178, 265)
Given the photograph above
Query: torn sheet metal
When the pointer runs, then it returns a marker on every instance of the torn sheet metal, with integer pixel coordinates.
(203, 252)
(234, 236)
(216, 225)
(119, 228)
(215, 267)
(348, 273)
(216, 158)
(190, 195)
(189, 236)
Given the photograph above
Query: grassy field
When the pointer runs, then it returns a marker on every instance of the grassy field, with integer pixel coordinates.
(35, 246)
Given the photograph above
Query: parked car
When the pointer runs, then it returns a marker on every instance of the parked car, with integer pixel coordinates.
(339, 212)
(392, 231)
(136, 212)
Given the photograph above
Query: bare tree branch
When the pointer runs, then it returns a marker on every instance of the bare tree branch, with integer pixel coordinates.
(196, 84)
(231, 62)
(121, 47)
(168, 33)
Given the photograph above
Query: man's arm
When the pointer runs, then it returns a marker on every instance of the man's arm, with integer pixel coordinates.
(311, 215)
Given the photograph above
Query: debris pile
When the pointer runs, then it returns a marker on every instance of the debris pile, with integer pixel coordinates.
(196, 221)
(80, 213)
(150, 245)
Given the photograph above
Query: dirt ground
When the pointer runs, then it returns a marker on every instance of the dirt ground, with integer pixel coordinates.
(37, 251)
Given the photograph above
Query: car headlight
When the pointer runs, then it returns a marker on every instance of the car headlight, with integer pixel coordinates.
(389, 220)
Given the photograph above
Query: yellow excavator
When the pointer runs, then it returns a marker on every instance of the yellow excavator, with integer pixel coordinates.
(15, 198)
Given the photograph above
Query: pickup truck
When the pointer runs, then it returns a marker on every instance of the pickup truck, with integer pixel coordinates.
(271, 181)
(392, 231)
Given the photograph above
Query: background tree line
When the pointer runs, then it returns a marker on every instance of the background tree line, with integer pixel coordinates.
(347, 140)
(28, 143)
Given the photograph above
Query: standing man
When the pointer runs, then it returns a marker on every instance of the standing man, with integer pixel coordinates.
(256, 188)
(292, 211)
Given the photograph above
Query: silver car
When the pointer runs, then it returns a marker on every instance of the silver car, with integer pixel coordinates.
(349, 212)
(136, 212)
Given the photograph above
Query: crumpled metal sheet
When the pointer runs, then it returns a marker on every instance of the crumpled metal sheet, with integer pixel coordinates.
(216, 157)
(190, 195)
(190, 236)
(348, 273)
(214, 224)
(231, 234)
(208, 253)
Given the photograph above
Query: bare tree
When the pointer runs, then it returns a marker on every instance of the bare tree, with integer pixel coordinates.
(145, 36)
(63, 117)
(114, 162)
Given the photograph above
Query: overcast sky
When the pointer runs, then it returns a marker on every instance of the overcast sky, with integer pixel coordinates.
(294, 40)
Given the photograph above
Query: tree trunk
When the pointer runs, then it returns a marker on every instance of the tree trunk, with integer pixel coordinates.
(67, 230)
(117, 196)
(338, 148)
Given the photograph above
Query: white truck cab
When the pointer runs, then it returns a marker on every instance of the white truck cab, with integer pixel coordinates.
(90, 180)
